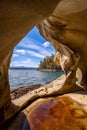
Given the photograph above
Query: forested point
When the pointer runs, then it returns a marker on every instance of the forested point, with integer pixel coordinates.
(47, 64)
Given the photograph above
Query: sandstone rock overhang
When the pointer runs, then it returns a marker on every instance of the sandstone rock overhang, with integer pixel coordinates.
(65, 28)
(16, 19)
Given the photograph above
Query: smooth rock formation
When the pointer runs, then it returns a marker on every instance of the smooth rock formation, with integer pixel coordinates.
(66, 29)
(42, 108)
(16, 19)
(55, 114)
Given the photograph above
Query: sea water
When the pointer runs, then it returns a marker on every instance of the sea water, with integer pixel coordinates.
(23, 77)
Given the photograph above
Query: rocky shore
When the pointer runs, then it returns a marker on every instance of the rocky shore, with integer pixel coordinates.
(18, 92)
(47, 70)
(67, 111)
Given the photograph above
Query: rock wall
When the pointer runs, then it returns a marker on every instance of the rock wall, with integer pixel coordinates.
(16, 19)
(66, 29)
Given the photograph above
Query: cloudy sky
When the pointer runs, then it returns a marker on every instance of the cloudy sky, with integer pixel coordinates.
(31, 50)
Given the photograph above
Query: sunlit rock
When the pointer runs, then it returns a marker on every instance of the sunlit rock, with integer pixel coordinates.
(66, 29)
(17, 18)
(55, 114)
(52, 113)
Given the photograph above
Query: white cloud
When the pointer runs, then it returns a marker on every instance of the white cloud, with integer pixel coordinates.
(14, 63)
(46, 44)
(36, 54)
(33, 53)
(22, 51)
(41, 52)
(35, 45)
(15, 55)
(25, 63)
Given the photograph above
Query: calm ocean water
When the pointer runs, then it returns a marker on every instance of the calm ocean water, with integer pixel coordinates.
(22, 77)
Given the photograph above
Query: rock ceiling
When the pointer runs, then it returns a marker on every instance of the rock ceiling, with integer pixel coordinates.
(65, 28)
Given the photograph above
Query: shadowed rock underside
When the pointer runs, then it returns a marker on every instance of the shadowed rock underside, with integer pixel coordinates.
(66, 29)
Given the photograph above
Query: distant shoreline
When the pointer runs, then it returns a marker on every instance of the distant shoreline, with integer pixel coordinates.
(42, 70)
(22, 68)
(49, 70)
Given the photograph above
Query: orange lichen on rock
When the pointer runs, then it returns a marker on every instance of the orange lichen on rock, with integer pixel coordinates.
(60, 113)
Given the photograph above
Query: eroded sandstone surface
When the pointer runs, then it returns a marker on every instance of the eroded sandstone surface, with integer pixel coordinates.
(44, 109)
(66, 29)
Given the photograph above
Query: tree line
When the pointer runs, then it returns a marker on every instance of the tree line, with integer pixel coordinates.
(47, 64)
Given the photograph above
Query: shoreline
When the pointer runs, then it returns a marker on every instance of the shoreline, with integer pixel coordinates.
(18, 92)
(49, 70)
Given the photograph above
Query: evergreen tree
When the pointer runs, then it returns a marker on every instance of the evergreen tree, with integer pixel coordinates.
(48, 64)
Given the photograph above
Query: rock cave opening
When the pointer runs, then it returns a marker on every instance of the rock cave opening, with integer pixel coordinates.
(65, 25)
(32, 63)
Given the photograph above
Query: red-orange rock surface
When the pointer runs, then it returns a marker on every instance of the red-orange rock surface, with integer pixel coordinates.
(59, 113)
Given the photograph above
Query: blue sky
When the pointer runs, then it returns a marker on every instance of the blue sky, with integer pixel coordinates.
(31, 50)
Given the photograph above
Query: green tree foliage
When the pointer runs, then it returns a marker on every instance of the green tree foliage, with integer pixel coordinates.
(48, 64)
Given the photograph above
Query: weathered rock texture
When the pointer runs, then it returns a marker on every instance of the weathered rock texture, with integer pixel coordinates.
(38, 111)
(18, 92)
(66, 29)
(16, 19)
